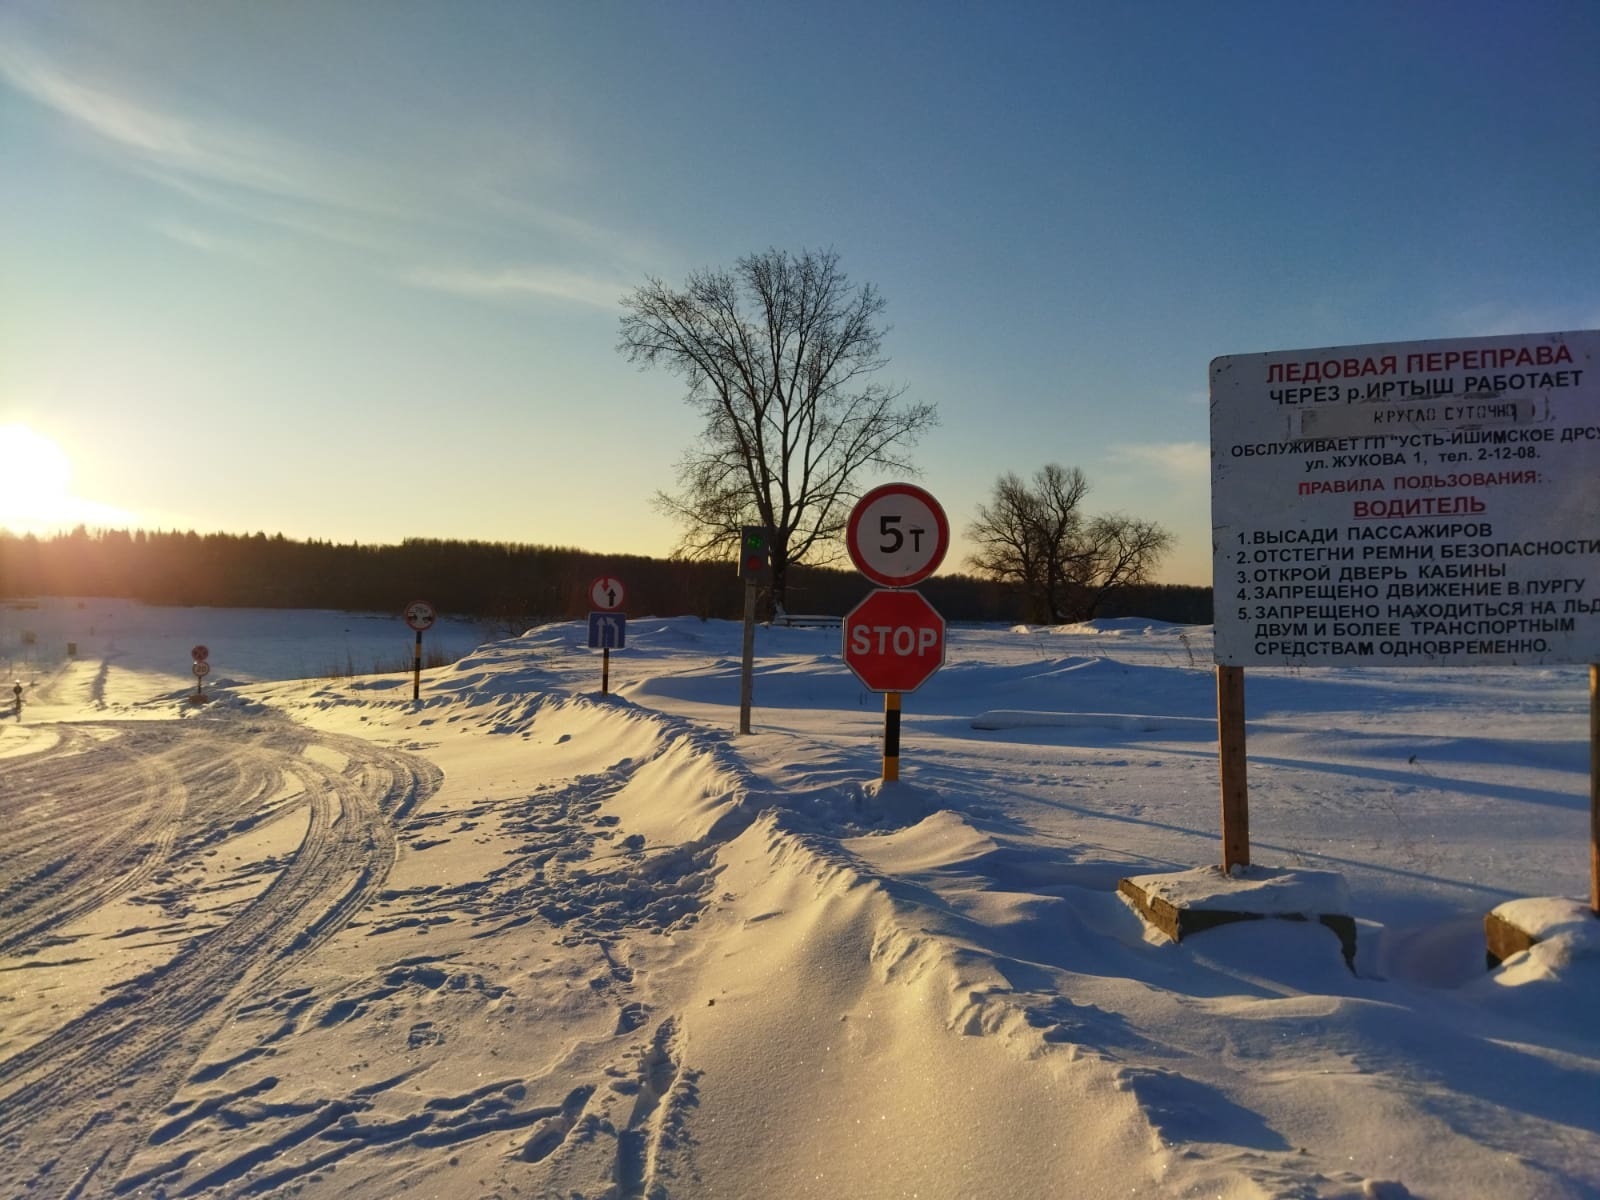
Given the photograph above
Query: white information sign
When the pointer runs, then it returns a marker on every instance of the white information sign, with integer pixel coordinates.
(1408, 503)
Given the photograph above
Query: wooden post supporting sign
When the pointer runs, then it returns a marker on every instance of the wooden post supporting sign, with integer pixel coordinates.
(755, 571)
(1594, 788)
(1231, 758)
(747, 658)
(1270, 525)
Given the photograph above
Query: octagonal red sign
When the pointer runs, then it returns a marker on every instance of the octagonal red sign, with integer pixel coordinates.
(894, 640)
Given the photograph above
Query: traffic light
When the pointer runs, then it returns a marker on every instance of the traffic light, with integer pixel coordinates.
(755, 554)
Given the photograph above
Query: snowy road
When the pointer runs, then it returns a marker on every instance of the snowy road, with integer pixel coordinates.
(517, 938)
(134, 814)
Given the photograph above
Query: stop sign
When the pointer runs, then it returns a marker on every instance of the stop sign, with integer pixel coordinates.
(894, 640)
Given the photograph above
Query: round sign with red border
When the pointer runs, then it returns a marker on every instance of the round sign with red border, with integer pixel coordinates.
(419, 615)
(201, 668)
(200, 653)
(606, 593)
(897, 535)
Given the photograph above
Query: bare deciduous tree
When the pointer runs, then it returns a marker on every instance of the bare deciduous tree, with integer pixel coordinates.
(779, 355)
(1033, 533)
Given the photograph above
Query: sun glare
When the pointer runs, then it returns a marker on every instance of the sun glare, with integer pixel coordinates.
(36, 484)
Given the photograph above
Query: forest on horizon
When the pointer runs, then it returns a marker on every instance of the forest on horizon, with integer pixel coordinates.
(517, 584)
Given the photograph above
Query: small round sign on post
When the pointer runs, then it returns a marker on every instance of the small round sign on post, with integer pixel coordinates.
(200, 653)
(201, 668)
(897, 535)
(606, 593)
(419, 615)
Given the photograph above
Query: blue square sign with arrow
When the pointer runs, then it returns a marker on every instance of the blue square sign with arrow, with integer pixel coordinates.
(607, 630)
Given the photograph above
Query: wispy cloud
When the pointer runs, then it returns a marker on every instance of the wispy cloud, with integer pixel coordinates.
(366, 231)
(1492, 319)
(510, 283)
(160, 140)
(206, 241)
(383, 211)
(1179, 461)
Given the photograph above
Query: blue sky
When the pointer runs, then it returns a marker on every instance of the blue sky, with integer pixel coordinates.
(351, 270)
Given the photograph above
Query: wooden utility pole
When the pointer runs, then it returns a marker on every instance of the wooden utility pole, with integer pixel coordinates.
(1231, 757)
(1594, 788)
(747, 667)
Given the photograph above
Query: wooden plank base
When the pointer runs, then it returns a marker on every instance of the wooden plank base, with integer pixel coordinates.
(1503, 939)
(1178, 923)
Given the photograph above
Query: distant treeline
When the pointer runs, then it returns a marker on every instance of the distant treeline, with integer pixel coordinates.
(517, 584)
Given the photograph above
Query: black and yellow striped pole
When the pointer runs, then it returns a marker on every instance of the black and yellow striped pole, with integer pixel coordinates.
(419, 615)
(891, 736)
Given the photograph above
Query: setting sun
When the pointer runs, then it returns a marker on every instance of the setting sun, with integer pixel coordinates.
(35, 478)
(36, 493)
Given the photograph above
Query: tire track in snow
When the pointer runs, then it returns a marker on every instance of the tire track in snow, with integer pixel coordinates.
(81, 830)
(611, 1120)
(74, 1107)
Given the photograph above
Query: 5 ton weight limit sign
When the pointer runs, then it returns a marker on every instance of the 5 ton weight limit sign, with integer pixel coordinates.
(897, 535)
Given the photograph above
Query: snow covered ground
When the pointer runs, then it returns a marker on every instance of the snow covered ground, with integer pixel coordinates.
(520, 939)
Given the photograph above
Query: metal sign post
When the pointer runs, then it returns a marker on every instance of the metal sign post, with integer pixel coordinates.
(608, 628)
(200, 654)
(891, 736)
(420, 616)
(894, 640)
(607, 632)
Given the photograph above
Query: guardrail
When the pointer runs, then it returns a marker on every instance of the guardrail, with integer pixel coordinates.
(806, 620)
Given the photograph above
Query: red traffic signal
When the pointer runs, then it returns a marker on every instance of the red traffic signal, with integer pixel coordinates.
(755, 554)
